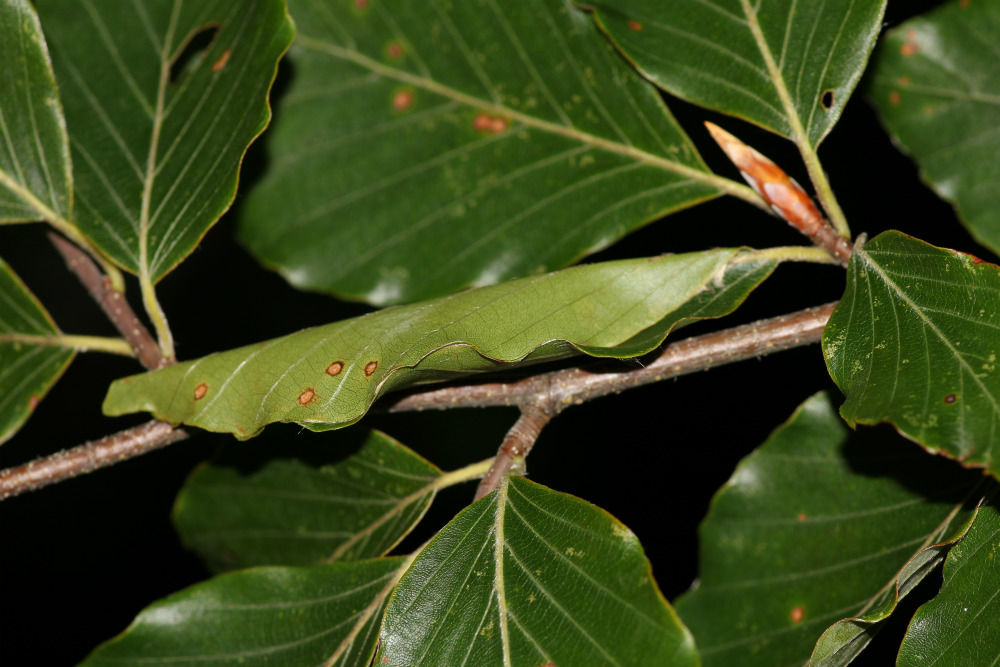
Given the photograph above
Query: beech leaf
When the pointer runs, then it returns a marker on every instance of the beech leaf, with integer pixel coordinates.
(323, 615)
(526, 577)
(431, 145)
(27, 369)
(961, 625)
(318, 507)
(158, 127)
(787, 66)
(914, 341)
(327, 377)
(815, 526)
(937, 87)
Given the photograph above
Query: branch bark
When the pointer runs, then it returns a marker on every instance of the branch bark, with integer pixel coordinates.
(88, 457)
(542, 397)
(112, 302)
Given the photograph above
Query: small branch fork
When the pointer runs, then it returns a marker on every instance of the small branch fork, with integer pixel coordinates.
(544, 396)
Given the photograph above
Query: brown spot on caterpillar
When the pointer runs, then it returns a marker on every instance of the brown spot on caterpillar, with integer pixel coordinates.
(490, 124)
(894, 98)
(223, 59)
(402, 100)
(909, 47)
(306, 397)
(370, 367)
(333, 370)
(200, 391)
(797, 614)
(826, 99)
(950, 398)
(394, 50)
(634, 25)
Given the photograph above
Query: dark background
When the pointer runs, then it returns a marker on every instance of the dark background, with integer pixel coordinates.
(80, 559)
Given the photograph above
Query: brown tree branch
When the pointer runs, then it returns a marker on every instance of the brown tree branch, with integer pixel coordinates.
(112, 302)
(88, 457)
(542, 397)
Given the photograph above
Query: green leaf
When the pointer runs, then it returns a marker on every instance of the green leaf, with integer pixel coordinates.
(961, 625)
(915, 341)
(430, 145)
(302, 512)
(787, 66)
(327, 377)
(27, 369)
(266, 616)
(937, 87)
(814, 526)
(35, 173)
(156, 159)
(528, 576)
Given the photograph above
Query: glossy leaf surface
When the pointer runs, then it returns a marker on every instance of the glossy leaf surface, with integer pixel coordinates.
(787, 66)
(813, 527)
(35, 172)
(158, 132)
(915, 341)
(937, 87)
(328, 376)
(264, 616)
(528, 576)
(27, 371)
(961, 625)
(426, 145)
(318, 508)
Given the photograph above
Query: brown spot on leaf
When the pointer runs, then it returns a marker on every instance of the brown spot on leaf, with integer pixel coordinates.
(802, 516)
(306, 397)
(200, 391)
(333, 370)
(894, 98)
(223, 59)
(826, 99)
(910, 47)
(362, 4)
(370, 367)
(797, 614)
(950, 398)
(395, 50)
(964, 4)
(402, 100)
(484, 122)
(904, 81)
(33, 402)
(634, 25)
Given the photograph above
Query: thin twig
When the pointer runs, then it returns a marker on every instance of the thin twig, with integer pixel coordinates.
(544, 396)
(576, 385)
(112, 302)
(518, 442)
(88, 457)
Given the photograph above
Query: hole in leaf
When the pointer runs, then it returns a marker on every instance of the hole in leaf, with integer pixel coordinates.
(827, 99)
(190, 56)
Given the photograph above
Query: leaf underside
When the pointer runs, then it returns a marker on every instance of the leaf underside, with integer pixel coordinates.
(311, 506)
(914, 342)
(937, 87)
(156, 152)
(961, 625)
(264, 616)
(787, 66)
(526, 577)
(35, 173)
(328, 376)
(813, 527)
(27, 371)
(430, 145)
